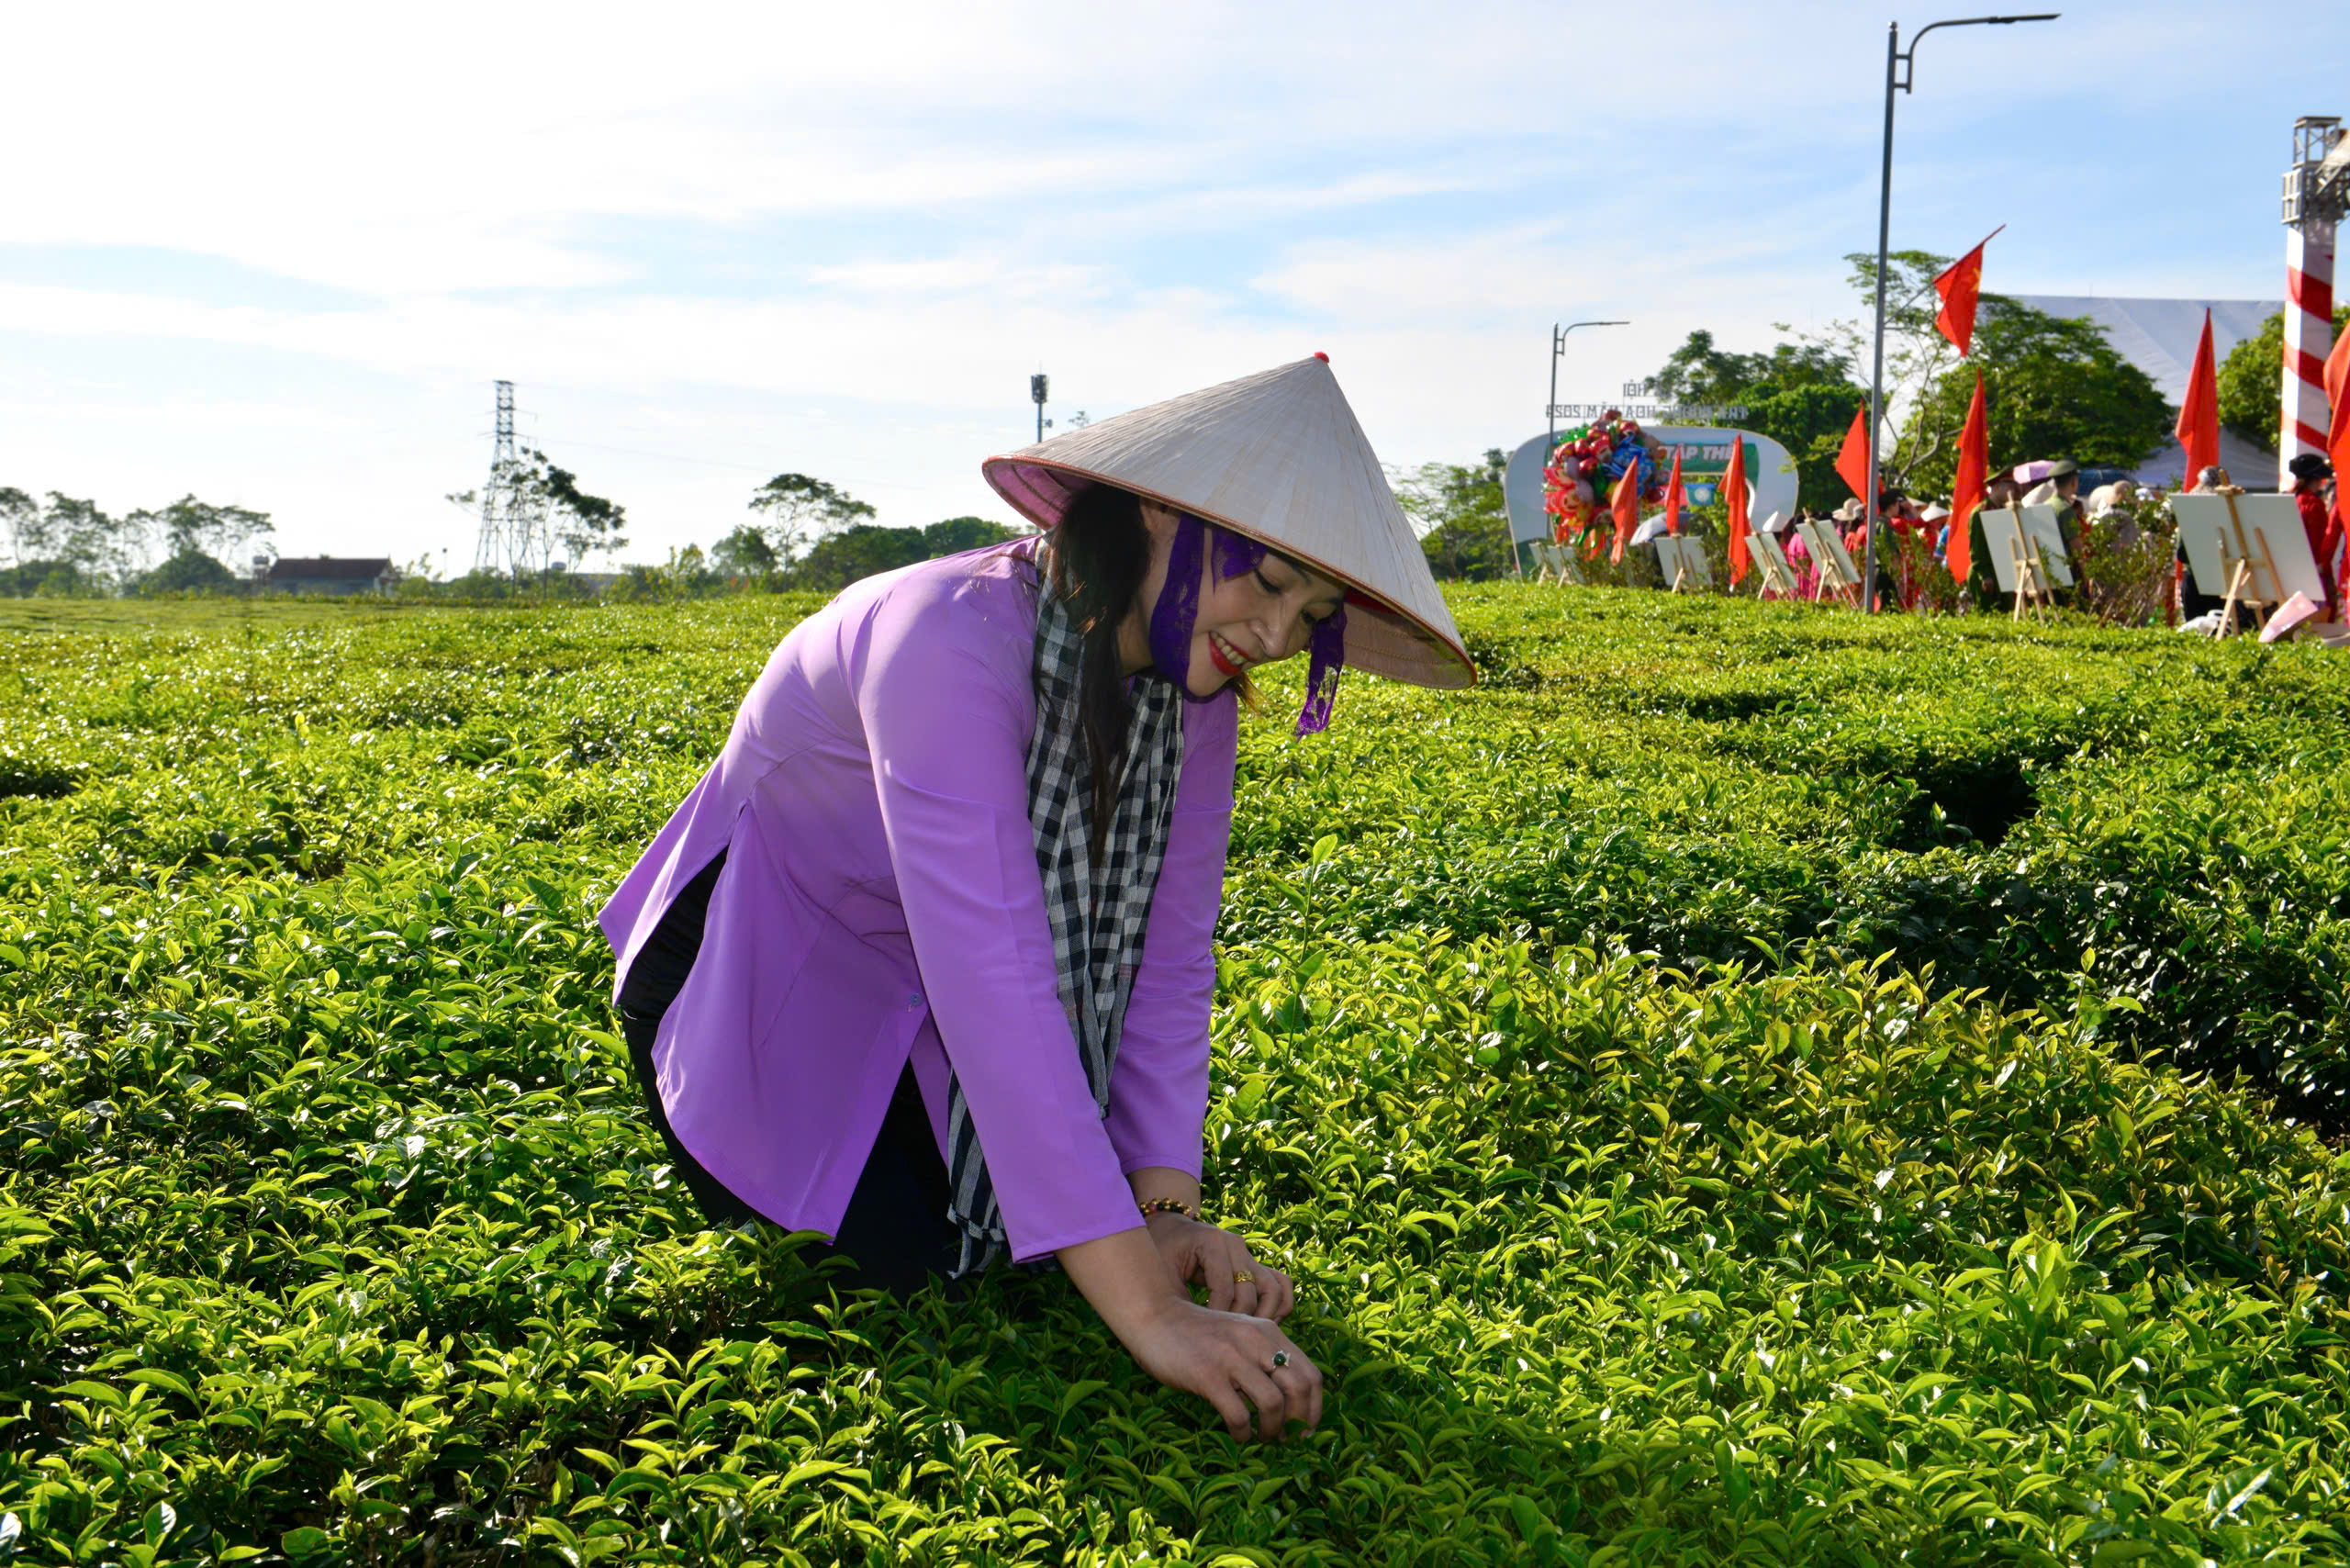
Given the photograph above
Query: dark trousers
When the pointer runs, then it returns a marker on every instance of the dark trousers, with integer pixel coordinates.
(896, 1234)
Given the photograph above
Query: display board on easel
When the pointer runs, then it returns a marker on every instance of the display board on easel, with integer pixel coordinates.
(1682, 560)
(2252, 543)
(2027, 555)
(1558, 560)
(1778, 577)
(1837, 572)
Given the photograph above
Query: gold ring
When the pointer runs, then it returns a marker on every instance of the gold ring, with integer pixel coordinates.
(1243, 1277)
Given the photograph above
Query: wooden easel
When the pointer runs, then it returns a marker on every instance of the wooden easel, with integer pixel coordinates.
(1777, 576)
(2032, 578)
(1847, 587)
(1690, 570)
(2242, 584)
(1829, 560)
(1559, 563)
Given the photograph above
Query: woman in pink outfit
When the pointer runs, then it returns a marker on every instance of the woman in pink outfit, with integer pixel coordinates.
(923, 963)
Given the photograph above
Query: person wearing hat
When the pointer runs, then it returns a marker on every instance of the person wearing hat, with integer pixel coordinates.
(923, 963)
(2062, 489)
(1935, 517)
(2313, 492)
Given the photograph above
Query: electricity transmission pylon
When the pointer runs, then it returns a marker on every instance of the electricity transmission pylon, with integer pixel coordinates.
(513, 511)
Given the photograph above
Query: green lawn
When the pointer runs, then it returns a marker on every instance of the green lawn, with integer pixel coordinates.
(1748, 1084)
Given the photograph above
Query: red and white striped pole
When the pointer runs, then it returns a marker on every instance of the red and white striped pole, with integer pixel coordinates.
(2308, 296)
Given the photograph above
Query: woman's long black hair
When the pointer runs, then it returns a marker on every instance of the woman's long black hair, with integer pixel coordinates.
(1097, 557)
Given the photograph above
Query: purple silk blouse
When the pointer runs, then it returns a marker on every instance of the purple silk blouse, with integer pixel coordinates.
(880, 899)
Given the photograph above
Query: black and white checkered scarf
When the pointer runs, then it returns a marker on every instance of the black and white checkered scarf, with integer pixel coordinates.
(1098, 914)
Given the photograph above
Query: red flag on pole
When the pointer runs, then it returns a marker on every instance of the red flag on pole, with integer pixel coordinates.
(1734, 482)
(1961, 286)
(1625, 505)
(1672, 497)
(1852, 462)
(1967, 491)
(2199, 416)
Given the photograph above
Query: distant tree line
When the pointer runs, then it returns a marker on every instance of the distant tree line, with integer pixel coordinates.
(810, 535)
(61, 546)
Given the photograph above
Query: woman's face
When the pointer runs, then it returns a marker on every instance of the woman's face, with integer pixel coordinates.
(1256, 617)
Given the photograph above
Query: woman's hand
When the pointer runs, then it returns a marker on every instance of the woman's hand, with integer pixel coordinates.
(1225, 1358)
(1195, 1250)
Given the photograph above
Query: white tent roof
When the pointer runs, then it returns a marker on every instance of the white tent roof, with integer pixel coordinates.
(2159, 336)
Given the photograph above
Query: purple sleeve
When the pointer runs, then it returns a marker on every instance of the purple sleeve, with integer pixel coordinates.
(1158, 1091)
(941, 685)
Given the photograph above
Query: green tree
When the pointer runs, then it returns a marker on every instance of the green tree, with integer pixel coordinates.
(20, 514)
(1917, 355)
(1800, 395)
(1697, 372)
(1458, 513)
(191, 527)
(800, 510)
(957, 534)
(859, 551)
(2053, 388)
(744, 554)
(2067, 392)
(1810, 421)
(2251, 381)
(188, 571)
(582, 523)
(95, 547)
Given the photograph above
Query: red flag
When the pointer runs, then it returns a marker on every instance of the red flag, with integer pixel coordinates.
(1672, 497)
(1967, 491)
(1852, 462)
(1961, 285)
(2199, 416)
(1734, 482)
(1625, 504)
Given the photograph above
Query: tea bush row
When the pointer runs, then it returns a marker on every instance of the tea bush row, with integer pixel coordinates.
(1640, 1211)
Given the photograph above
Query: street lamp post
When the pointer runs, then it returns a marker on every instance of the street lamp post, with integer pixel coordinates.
(1896, 76)
(1558, 348)
(1037, 386)
(1550, 409)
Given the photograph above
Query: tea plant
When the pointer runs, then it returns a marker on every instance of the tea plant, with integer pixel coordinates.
(1747, 1084)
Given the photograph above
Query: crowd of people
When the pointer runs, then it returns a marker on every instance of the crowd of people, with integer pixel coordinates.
(1914, 533)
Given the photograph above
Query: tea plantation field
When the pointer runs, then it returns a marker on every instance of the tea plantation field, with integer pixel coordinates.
(1746, 1085)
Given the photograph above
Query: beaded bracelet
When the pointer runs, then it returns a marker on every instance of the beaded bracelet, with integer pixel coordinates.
(1170, 1206)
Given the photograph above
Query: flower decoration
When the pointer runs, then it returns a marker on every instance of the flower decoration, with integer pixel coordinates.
(1586, 462)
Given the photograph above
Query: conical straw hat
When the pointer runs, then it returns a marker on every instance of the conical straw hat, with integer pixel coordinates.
(1277, 456)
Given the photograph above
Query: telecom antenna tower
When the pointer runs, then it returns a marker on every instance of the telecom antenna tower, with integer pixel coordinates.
(2317, 194)
(513, 514)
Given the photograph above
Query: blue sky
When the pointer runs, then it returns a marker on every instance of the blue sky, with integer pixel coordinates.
(277, 256)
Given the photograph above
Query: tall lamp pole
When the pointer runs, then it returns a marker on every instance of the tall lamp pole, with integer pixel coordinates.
(1037, 386)
(1550, 409)
(1900, 70)
(1558, 348)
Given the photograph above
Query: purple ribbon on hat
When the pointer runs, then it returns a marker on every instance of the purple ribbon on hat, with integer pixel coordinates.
(1178, 611)
(1328, 655)
(1178, 604)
